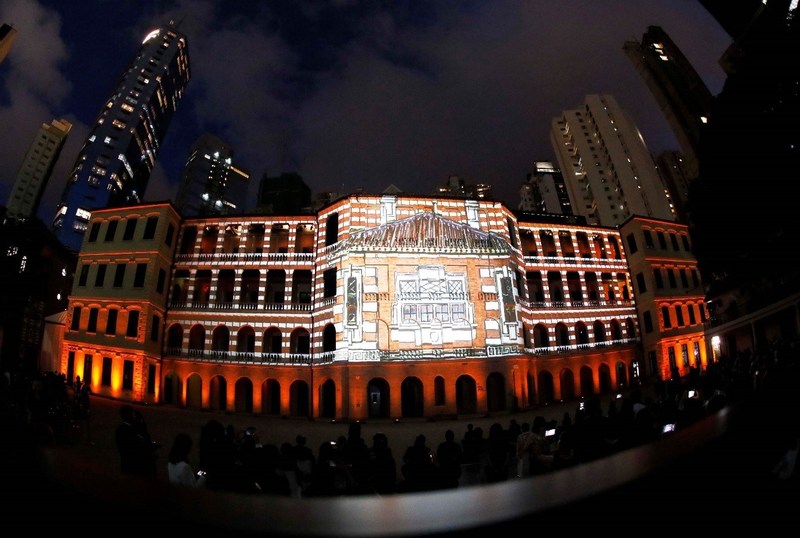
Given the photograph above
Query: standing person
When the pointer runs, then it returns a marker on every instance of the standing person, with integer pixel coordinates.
(523, 450)
(449, 455)
(136, 452)
(179, 470)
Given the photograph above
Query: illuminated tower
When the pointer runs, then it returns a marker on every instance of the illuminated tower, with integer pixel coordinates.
(114, 165)
(211, 185)
(608, 170)
(681, 94)
(36, 169)
(544, 191)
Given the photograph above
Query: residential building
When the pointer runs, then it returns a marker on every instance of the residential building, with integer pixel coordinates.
(609, 172)
(374, 306)
(670, 297)
(36, 169)
(114, 164)
(212, 184)
(457, 186)
(544, 191)
(681, 94)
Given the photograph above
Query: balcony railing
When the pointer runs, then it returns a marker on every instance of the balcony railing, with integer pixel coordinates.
(264, 307)
(575, 260)
(246, 257)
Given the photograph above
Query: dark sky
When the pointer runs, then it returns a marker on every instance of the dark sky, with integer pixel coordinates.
(348, 93)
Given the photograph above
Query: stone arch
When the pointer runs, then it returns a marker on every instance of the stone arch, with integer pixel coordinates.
(412, 400)
(495, 392)
(243, 395)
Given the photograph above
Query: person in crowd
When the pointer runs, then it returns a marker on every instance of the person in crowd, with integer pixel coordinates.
(179, 470)
(137, 452)
(449, 456)
(383, 479)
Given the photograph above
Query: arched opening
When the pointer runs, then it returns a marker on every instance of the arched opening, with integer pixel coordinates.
(616, 330)
(298, 399)
(329, 338)
(174, 339)
(567, 381)
(243, 395)
(604, 374)
(378, 398)
(599, 330)
(271, 397)
(540, 338)
(220, 341)
(495, 392)
(194, 392)
(172, 389)
(299, 342)
(531, 388)
(581, 333)
(197, 340)
(562, 335)
(587, 381)
(466, 395)
(547, 391)
(218, 393)
(246, 340)
(180, 288)
(188, 240)
(327, 399)
(272, 341)
(412, 402)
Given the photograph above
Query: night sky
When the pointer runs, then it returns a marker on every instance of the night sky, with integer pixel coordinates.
(350, 94)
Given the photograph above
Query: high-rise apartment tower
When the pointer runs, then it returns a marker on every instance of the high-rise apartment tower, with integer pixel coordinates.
(608, 170)
(544, 191)
(114, 165)
(23, 202)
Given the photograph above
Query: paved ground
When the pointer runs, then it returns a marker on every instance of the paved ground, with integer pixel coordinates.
(95, 441)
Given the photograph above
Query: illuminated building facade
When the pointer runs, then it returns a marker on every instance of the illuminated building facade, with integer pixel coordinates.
(7, 36)
(114, 165)
(374, 306)
(670, 296)
(212, 184)
(609, 172)
(37, 166)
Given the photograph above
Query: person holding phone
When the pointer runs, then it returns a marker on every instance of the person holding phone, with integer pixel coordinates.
(179, 470)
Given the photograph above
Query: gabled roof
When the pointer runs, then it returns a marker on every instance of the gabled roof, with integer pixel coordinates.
(426, 232)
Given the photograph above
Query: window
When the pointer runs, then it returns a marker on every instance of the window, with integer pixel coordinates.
(105, 375)
(659, 279)
(162, 275)
(692, 318)
(130, 229)
(648, 239)
(119, 275)
(170, 234)
(100, 277)
(671, 276)
(665, 315)
(671, 354)
(133, 324)
(92, 326)
(84, 275)
(154, 328)
(648, 322)
(679, 315)
(438, 390)
(640, 282)
(138, 279)
(94, 232)
(151, 379)
(685, 354)
(329, 283)
(111, 231)
(111, 322)
(685, 241)
(674, 239)
(662, 240)
(684, 278)
(127, 375)
(150, 228)
(632, 247)
(695, 279)
(76, 319)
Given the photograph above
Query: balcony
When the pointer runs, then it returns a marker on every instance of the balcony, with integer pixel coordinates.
(242, 306)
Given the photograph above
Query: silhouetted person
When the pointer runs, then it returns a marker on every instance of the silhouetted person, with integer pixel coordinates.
(420, 473)
(179, 470)
(449, 456)
(137, 453)
(384, 467)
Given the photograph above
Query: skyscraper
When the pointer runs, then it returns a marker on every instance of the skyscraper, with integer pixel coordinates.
(211, 185)
(284, 194)
(679, 91)
(7, 35)
(23, 202)
(115, 163)
(609, 172)
(544, 191)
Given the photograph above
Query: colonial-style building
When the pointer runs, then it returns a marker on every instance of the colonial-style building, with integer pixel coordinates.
(377, 306)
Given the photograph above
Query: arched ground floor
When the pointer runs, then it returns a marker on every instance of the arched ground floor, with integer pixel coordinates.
(364, 390)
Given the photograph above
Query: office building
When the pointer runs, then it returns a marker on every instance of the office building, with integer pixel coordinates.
(609, 172)
(212, 184)
(37, 166)
(544, 191)
(7, 36)
(376, 306)
(457, 186)
(681, 94)
(114, 164)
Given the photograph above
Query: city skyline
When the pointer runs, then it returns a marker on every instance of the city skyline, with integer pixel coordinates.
(347, 103)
